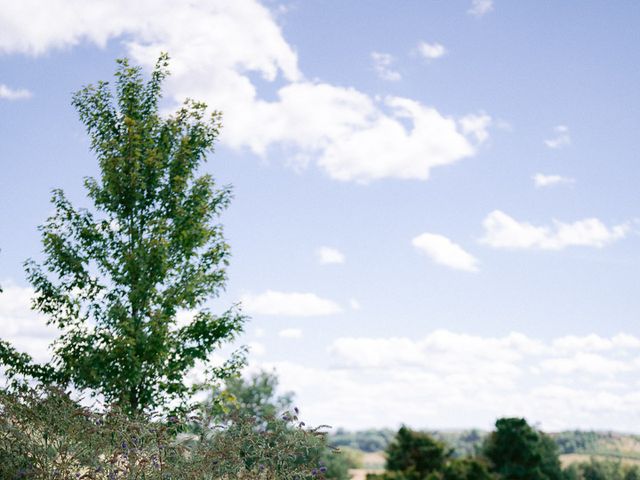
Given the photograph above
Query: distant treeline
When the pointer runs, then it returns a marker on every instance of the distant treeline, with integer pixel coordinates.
(467, 442)
(514, 450)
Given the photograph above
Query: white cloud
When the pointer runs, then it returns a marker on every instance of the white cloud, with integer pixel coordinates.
(215, 46)
(595, 343)
(257, 349)
(480, 7)
(382, 65)
(561, 138)
(290, 333)
(444, 252)
(354, 304)
(589, 363)
(503, 231)
(386, 149)
(22, 327)
(476, 126)
(7, 93)
(431, 51)
(329, 255)
(542, 180)
(288, 304)
(455, 380)
(444, 379)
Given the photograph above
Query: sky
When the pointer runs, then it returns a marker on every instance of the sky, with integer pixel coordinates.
(435, 214)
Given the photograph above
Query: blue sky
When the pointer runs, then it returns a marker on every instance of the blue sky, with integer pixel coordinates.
(435, 213)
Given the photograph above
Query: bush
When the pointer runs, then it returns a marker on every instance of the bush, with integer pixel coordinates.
(44, 434)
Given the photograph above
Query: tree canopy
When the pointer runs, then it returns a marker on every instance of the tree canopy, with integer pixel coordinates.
(115, 276)
(518, 451)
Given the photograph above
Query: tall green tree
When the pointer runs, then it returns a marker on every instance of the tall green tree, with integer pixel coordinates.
(519, 452)
(115, 276)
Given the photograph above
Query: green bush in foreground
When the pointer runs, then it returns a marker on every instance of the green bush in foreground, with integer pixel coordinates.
(256, 397)
(44, 434)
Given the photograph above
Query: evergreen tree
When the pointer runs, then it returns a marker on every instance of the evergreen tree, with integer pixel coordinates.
(519, 452)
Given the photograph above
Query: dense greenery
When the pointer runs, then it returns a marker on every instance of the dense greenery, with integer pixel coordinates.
(256, 398)
(514, 450)
(519, 452)
(44, 434)
(115, 277)
(414, 455)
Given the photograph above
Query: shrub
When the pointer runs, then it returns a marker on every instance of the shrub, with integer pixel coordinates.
(44, 434)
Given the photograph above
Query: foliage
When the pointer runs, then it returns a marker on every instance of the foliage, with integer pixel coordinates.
(602, 470)
(370, 440)
(46, 435)
(464, 443)
(576, 441)
(517, 451)
(115, 277)
(417, 455)
(338, 463)
(464, 469)
(256, 398)
(413, 455)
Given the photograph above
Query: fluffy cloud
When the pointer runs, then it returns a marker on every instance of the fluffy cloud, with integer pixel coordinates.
(561, 138)
(290, 333)
(288, 304)
(22, 327)
(444, 379)
(503, 231)
(541, 180)
(480, 7)
(458, 380)
(431, 51)
(382, 65)
(216, 46)
(444, 252)
(7, 93)
(329, 255)
(589, 363)
(595, 343)
(386, 149)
